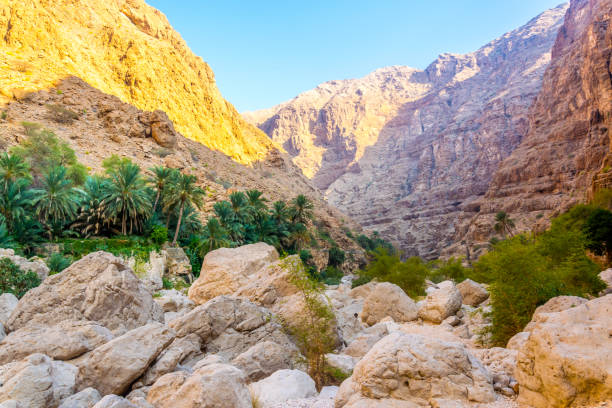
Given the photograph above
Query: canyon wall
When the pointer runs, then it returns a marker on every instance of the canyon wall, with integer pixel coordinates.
(565, 156)
(127, 49)
(408, 152)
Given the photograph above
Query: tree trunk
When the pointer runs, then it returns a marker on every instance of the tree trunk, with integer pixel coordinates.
(123, 224)
(156, 200)
(178, 224)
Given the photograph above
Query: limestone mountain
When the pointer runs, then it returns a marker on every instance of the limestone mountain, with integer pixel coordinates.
(127, 49)
(565, 156)
(407, 151)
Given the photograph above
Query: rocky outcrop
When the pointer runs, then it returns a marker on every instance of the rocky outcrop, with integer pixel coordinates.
(114, 366)
(263, 359)
(98, 288)
(37, 381)
(405, 151)
(418, 370)
(131, 52)
(215, 385)
(442, 301)
(86, 398)
(388, 300)
(282, 386)
(230, 326)
(564, 362)
(226, 270)
(64, 341)
(36, 265)
(472, 293)
(565, 155)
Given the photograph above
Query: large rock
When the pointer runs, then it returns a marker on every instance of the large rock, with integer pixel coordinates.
(263, 359)
(347, 310)
(282, 386)
(8, 303)
(366, 340)
(441, 302)
(177, 263)
(566, 361)
(226, 270)
(556, 304)
(98, 287)
(114, 401)
(472, 293)
(36, 265)
(37, 381)
(214, 385)
(114, 366)
(416, 369)
(230, 326)
(387, 299)
(86, 398)
(180, 350)
(64, 341)
(606, 277)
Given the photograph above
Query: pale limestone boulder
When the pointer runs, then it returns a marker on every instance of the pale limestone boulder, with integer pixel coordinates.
(517, 341)
(11, 404)
(416, 369)
(566, 361)
(8, 303)
(347, 310)
(98, 287)
(226, 270)
(440, 303)
(34, 265)
(37, 381)
(383, 403)
(64, 341)
(83, 399)
(387, 299)
(114, 366)
(366, 340)
(328, 392)
(263, 359)
(473, 293)
(167, 361)
(173, 301)
(606, 276)
(230, 326)
(556, 304)
(114, 401)
(2, 332)
(214, 385)
(342, 362)
(362, 292)
(151, 273)
(177, 263)
(208, 360)
(282, 386)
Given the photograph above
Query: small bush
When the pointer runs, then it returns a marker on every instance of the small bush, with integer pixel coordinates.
(409, 275)
(159, 235)
(60, 114)
(336, 257)
(331, 275)
(167, 283)
(4, 115)
(362, 280)
(57, 263)
(449, 269)
(14, 280)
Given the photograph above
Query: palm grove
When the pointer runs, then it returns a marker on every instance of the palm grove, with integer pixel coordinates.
(47, 195)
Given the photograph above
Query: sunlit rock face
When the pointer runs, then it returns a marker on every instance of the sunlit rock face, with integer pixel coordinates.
(127, 49)
(406, 152)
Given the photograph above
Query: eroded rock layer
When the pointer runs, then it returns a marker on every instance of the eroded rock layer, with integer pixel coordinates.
(406, 151)
(565, 156)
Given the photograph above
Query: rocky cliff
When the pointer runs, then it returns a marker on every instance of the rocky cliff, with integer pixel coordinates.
(406, 151)
(127, 49)
(565, 155)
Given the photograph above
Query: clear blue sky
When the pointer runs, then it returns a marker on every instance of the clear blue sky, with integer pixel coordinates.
(265, 52)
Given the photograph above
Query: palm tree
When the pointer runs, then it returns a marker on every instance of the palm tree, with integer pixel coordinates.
(127, 197)
(57, 201)
(256, 201)
(224, 211)
(299, 237)
(93, 219)
(280, 212)
(13, 167)
(503, 224)
(15, 198)
(214, 236)
(302, 209)
(182, 191)
(161, 176)
(240, 207)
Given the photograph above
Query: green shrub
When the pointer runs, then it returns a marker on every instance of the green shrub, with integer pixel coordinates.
(61, 114)
(336, 257)
(331, 275)
(14, 280)
(449, 269)
(598, 230)
(167, 283)
(57, 263)
(159, 235)
(409, 275)
(361, 280)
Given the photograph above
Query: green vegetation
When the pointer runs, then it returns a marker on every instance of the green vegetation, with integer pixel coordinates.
(14, 280)
(57, 263)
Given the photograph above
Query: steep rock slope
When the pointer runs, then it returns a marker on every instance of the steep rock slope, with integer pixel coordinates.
(405, 151)
(98, 125)
(127, 49)
(565, 156)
